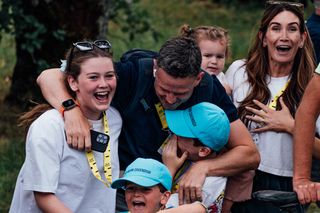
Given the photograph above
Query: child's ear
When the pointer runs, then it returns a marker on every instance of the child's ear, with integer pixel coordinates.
(204, 151)
(164, 198)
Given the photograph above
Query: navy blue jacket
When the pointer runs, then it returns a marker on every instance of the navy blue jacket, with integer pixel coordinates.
(142, 133)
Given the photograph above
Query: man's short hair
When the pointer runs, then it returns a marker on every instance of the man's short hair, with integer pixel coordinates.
(180, 57)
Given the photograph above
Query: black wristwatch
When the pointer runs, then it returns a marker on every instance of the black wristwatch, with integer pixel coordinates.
(67, 105)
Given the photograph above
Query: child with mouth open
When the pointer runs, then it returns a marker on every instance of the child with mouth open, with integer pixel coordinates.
(147, 184)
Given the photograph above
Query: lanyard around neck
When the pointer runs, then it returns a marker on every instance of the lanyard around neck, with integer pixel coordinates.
(107, 170)
(273, 102)
(161, 115)
(175, 183)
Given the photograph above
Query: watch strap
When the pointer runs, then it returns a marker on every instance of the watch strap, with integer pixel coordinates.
(67, 105)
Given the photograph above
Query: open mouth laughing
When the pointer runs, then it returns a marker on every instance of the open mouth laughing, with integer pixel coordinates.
(102, 96)
(138, 205)
(283, 48)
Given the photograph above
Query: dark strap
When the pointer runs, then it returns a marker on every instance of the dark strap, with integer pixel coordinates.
(277, 198)
(145, 68)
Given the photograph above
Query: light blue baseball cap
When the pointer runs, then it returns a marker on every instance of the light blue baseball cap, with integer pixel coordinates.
(145, 172)
(204, 121)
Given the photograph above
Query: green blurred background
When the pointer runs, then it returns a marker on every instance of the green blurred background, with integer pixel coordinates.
(166, 17)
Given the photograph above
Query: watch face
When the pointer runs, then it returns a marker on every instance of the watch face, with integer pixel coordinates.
(68, 104)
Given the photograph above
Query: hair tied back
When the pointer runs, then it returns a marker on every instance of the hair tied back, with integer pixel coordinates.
(190, 30)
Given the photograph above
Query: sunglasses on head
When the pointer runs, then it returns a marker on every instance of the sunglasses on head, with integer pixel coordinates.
(85, 46)
(294, 4)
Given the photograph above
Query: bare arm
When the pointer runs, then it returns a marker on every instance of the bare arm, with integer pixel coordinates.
(52, 85)
(49, 203)
(241, 156)
(193, 207)
(304, 142)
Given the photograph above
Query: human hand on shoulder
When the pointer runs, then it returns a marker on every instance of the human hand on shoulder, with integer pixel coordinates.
(77, 129)
(191, 183)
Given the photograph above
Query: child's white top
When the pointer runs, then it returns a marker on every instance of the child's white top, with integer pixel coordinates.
(212, 194)
(222, 78)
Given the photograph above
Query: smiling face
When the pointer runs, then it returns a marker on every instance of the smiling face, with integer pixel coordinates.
(174, 91)
(95, 86)
(213, 55)
(283, 38)
(145, 199)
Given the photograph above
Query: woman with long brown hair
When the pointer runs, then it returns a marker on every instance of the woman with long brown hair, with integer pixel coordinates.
(267, 89)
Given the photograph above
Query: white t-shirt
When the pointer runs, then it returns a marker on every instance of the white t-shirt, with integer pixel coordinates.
(275, 148)
(222, 78)
(318, 69)
(212, 194)
(52, 166)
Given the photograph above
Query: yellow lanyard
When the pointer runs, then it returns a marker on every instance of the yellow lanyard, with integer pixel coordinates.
(161, 115)
(273, 103)
(181, 171)
(107, 170)
(186, 164)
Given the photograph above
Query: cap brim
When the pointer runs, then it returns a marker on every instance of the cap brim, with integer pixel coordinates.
(141, 181)
(178, 123)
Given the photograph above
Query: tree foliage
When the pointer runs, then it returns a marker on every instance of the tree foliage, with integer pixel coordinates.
(44, 29)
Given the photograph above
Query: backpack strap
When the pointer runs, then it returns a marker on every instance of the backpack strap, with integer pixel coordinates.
(143, 63)
(145, 69)
(135, 54)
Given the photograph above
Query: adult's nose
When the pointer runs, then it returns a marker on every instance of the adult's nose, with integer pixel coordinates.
(171, 98)
(284, 34)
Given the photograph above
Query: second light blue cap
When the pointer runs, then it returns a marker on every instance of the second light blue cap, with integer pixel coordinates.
(145, 172)
(204, 121)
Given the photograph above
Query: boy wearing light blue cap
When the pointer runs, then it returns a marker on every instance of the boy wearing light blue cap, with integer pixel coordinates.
(147, 184)
(201, 132)
(149, 177)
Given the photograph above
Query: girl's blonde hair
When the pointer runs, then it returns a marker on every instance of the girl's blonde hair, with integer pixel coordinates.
(213, 33)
